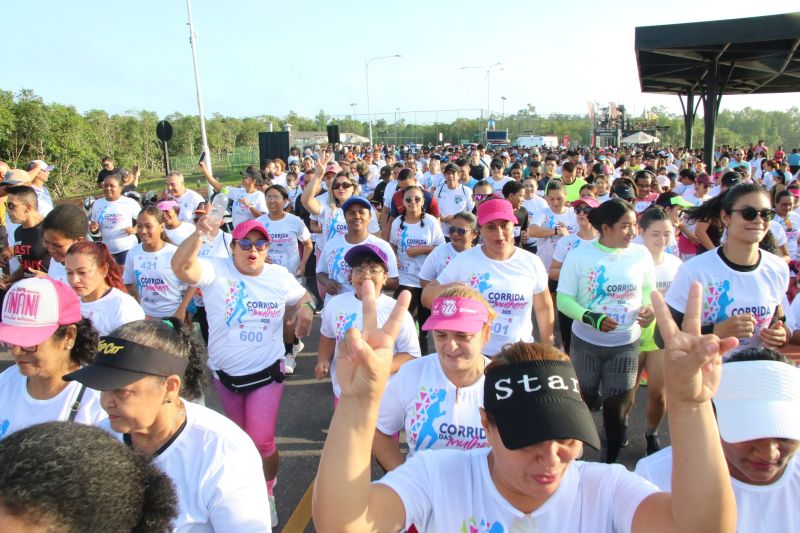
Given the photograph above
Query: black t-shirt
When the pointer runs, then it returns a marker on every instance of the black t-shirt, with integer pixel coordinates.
(29, 248)
(103, 174)
(476, 171)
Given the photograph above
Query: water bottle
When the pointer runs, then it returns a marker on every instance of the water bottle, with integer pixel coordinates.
(214, 218)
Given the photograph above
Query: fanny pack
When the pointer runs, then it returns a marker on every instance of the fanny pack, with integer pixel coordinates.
(249, 382)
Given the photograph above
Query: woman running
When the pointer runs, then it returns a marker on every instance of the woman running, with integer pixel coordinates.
(463, 232)
(742, 286)
(437, 399)
(149, 372)
(96, 279)
(585, 235)
(414, 235)
(148, 274)
(47, 337)
(114, 216)
(247, 301)
(513, 281)
(605, 288)
(656, 230)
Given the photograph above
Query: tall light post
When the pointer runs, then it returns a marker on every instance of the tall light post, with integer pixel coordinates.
(366, 71)
(503, 113)
(203, 137)
(354, 110)
(488, 71)
(396, 110)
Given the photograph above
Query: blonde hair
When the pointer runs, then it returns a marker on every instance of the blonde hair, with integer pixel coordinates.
(465, 291)
(524, 352)
(356, 187)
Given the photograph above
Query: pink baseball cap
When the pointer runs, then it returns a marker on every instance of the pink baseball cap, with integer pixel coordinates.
(166, 205)
(496, 209)
(333, 167)
(241, 231)
(588, 200)
(456, 313)
(34, 308)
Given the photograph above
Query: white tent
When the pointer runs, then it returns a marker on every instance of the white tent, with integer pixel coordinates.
(639, 137)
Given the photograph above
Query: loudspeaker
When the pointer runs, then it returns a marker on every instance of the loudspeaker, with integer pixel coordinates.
(272, 145)
(333, 134)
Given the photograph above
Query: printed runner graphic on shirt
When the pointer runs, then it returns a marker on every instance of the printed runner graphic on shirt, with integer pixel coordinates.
(337, 267)
(4, 428)
(480, 282)
(716, 301)
(597, 278)
(482, 526)
(344, 321)
(426, 432)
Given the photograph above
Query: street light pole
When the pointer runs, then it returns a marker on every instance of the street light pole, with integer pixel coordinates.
(354, 110)
(488, 85)
(369, 106)
(203, 137)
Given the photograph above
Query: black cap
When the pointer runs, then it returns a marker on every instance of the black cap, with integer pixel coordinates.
(623, 191)
(451, 167)
(120, 362)
(535, 401)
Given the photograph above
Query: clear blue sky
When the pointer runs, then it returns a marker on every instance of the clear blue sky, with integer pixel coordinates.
(258, 57)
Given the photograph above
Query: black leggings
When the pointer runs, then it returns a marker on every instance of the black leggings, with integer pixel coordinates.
(419, 312)
(615, 412)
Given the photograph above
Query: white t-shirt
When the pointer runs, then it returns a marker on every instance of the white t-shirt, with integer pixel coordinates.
(245, 314)
(217, 473)
(791, 227)
(332, 263)
(666, 272)
(434, 264)
(611, 283)
(44, 201)
(759, 507)
(534, 206)
(727, 292)
(179, 234)
(434, 413)
(57, 271)
(409, 236)
(672, 245)
(333, 223)
(497, 185)
(159, 289)
(188, 202)
(284, 235)
(388, 193)
(19, 410)
(567, 244)
(451, 490)
(240, 213)
(114, 218)
(547, 219)
(507, 285)
(111, 311)
(452, 201)
(344, 312)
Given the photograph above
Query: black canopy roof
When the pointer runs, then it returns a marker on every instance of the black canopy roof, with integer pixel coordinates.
(754, 55)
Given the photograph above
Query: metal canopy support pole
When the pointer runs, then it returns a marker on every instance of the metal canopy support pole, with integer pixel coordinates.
(712, 97)
(689, 113)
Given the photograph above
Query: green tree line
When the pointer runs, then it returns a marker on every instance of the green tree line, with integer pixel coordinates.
(74, 142)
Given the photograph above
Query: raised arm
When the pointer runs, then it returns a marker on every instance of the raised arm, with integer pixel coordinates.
(344, 499)
(702, 499)
(310, 191)
(215, 184)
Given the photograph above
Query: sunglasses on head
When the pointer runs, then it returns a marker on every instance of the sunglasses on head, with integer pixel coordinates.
(452, 230)
(750, 213)
(342, 185)
(247, 244)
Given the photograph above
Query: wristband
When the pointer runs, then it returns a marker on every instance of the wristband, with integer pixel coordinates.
(593, 319)
(310, 306)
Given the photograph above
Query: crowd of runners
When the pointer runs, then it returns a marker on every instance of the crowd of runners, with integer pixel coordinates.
(473, 307)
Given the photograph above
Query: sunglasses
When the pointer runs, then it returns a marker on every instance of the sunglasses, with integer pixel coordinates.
(345, 185)
(247, 244)
(584, 209)
(452, 230)
(750, 213)
(413, 199)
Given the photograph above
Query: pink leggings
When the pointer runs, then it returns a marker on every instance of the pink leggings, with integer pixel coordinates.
(256, 412)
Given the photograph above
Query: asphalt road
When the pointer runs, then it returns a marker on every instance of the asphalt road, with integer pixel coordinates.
(306, 410)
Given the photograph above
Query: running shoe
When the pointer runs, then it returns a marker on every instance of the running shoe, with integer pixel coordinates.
(273, 512)
(297, 347)
(289, 364)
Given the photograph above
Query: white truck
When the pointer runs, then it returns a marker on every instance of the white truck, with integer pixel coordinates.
(531, 141)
